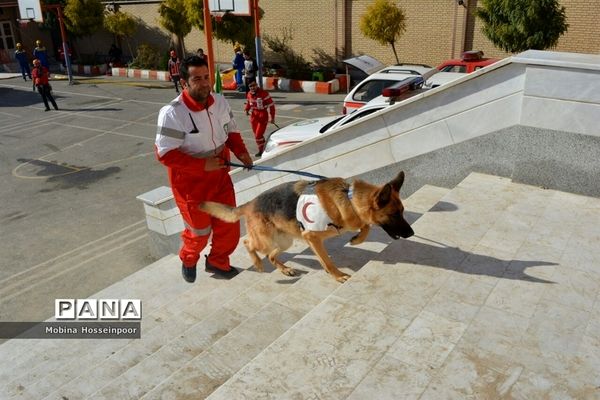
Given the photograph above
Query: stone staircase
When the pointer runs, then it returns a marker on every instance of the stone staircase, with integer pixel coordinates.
(495, 297)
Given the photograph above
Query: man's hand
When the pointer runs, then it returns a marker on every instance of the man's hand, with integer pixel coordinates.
(272, 121)
(246, 160)
(214, 163)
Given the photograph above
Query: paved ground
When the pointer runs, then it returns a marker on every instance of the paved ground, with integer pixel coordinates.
(70, 221)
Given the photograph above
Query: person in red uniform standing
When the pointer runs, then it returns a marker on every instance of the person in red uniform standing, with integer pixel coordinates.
(40, 80)
(195, 134)
(174, 64)
(261, 108)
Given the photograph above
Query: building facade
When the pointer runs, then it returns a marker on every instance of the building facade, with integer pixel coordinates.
(436, 30)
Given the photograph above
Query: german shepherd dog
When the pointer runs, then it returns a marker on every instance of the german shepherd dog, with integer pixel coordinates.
(272, 225)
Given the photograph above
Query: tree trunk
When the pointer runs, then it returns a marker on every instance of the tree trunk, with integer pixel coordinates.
(130, 51)
(395, 54)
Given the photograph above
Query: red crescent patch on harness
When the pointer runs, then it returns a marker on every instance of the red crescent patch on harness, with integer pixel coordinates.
(304, 214)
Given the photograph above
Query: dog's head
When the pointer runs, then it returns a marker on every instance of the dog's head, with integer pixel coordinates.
(387, 209)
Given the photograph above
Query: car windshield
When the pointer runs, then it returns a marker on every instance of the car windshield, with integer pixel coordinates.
(371, 89)
(330, 124)
(454, 68)
(349, 118)
(358, 114)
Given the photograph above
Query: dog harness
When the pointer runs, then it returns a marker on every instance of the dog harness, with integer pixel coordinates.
(310, 213)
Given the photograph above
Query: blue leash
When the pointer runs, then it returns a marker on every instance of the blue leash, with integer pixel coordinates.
(267, 168)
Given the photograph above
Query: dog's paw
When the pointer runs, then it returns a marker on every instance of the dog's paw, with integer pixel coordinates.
(356, 240)
(342, 278)
(259, 267)
(288, 271)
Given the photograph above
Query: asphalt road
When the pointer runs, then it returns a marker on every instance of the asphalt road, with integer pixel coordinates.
(70, 224)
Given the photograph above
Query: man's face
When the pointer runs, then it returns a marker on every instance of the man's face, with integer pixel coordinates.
(252, 86)
(198, 84)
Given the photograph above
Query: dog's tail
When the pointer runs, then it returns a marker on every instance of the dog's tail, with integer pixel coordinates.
(222, 211)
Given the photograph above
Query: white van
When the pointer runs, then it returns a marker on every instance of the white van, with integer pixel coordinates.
(374, 84)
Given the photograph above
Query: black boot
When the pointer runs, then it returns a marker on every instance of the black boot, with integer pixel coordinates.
(188, 273)
(220, 273)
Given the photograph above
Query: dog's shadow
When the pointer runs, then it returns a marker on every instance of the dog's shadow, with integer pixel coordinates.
(413, 252)
(400, 251)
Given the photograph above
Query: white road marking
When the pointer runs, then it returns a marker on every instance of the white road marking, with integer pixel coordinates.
(28, 270)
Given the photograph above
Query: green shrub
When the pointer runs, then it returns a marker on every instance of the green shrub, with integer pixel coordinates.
(164, 62)
(148, 57)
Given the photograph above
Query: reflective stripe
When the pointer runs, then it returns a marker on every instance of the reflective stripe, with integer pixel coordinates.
(353, 104)
(210, 153)
(197, 232)
(170, 132)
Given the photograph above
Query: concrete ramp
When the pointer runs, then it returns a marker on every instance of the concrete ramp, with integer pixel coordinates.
(537, 103)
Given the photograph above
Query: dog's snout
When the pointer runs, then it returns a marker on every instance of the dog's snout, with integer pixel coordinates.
(408, 233)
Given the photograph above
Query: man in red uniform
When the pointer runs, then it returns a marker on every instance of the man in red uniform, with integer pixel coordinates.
(174, 69)
(40, 81)
(258, 101)
(195, 133)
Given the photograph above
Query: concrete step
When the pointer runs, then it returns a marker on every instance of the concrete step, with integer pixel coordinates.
(22, 352)
(497, 295)
(34, 359)
(201, 305)
(202, 374)
(117, 367)
(199, 376)
(174, 309)
(167, 300)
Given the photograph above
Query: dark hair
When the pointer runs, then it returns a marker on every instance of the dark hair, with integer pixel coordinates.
(190, 61)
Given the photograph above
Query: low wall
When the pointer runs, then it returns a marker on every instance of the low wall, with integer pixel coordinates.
(294, 85)
(79, 69)
(269, 83)
(141, 74)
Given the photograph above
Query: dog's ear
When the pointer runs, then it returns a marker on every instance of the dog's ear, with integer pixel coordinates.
(384, 195)
(398, 181)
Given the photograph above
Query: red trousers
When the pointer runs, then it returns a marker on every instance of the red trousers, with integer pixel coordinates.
(259, 124)
(189, 193)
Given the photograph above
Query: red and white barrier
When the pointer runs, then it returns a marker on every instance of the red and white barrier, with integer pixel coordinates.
(269, 83)
(141, 74)
(88, 69)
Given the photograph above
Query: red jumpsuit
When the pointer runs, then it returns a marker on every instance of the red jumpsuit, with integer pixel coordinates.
(257, 104)
(188, 133)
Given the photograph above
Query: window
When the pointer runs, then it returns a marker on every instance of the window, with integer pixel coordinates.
(7, 39)
(454, 68)
(358, 114)
(371, 89)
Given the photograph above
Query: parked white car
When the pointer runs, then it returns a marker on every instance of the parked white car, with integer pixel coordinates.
(298, 132)
(374, 84)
